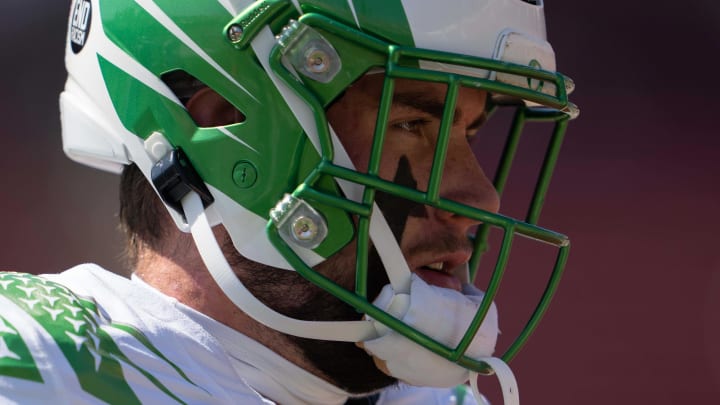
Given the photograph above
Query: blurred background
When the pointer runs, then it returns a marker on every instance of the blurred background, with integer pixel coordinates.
(637, 317)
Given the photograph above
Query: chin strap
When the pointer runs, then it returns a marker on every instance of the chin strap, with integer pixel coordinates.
(224, 276)
(508, 383)
(349, 331)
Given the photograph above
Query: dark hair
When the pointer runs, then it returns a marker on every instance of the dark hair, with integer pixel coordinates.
(143, 217)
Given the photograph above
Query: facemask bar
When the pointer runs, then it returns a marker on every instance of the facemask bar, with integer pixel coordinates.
(402, 63)
(523, 115)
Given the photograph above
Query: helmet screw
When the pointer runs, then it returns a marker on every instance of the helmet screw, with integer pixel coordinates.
(317, 61)
(304, 229)
(235, 33)
(244, 174)
(569, 85)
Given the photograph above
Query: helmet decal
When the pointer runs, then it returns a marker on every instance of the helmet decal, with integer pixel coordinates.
(384, 18)
(533, 84)
(173, 34)
(80, 20)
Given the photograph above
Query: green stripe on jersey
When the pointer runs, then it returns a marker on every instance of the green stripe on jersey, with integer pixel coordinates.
(15, 358)
(80, 330)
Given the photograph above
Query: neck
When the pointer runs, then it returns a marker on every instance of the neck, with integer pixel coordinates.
(264, 370)
(187, 280)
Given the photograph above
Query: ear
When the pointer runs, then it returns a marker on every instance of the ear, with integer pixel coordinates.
(210, 109)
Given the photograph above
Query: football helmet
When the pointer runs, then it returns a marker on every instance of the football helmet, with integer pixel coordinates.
(279, 179)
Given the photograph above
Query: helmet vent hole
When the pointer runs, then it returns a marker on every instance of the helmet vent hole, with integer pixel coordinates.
(206, 107)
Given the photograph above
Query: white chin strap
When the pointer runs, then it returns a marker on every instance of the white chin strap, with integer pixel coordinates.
(419, 305)
(222, 273)
(508, 384)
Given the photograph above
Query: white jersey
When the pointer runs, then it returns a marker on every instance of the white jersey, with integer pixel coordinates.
(88, 336)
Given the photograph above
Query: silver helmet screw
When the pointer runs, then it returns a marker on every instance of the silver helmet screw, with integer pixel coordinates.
(235, 33)
(569, 85)
(304, 229)
(317, 61)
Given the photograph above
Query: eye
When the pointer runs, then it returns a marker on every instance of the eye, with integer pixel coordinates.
(415, 126)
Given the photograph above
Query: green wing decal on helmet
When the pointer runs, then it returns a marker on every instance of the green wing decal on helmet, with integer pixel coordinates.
(384, 18)
(269, 140)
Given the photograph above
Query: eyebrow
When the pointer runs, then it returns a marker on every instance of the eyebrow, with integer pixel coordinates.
(421, 101)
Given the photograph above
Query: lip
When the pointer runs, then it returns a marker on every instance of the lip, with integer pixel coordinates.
(445, 278)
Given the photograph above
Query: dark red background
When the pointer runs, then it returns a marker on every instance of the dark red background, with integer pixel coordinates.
(636, 317)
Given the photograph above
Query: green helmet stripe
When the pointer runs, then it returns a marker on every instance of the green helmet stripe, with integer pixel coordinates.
(339, 9)
(200, 143)
(386, 18)
(208, 57)
(223, 147)
(194, 35)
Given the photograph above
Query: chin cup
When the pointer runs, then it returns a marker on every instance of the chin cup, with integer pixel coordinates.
(426, 309)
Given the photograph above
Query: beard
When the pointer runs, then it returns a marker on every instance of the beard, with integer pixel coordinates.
(343, 364)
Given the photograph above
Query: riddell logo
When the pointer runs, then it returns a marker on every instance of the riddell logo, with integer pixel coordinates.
(80, 24)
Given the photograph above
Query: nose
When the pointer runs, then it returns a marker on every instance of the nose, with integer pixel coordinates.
(465, 182)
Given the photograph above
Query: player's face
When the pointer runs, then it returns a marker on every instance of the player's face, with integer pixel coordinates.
(434, 242)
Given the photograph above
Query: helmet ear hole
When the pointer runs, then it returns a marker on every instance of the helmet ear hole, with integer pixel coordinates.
(206, 107)
(209, 109)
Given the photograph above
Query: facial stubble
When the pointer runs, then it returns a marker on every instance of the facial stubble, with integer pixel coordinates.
(343, 364)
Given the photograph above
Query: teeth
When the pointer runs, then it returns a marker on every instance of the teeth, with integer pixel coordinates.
(435, 266)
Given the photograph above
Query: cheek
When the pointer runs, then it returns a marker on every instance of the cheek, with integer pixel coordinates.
(355, 131)
(419, 157)
(341, 267)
